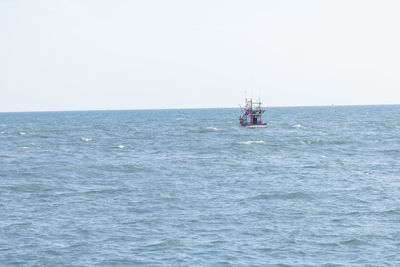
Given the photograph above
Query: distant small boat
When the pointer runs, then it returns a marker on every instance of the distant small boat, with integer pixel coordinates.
(252, 115)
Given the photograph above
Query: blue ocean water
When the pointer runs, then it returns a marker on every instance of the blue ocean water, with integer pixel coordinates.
(319, 186)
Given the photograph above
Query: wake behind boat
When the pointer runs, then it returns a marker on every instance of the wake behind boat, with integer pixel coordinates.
(252, 115)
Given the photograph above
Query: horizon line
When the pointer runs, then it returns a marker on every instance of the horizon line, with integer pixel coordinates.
(186, 108)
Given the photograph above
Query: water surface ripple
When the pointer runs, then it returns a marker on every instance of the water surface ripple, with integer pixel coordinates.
(319, 186)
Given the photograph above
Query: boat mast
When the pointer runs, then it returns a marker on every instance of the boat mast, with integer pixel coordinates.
(251, 111)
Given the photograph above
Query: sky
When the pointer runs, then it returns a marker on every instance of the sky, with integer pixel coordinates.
(101, 55)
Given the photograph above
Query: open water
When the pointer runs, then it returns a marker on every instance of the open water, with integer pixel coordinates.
(319, 186)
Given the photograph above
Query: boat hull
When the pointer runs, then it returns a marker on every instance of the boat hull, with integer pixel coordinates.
(257, 126)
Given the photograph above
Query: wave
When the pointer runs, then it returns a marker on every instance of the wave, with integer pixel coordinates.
(205, 130)
(338, 142)
(131, 165)
(315, 141)
(251, 142)
(212, 128)
(102, 191)
(353, 241)
(121, 146)
(179, 119)
(275, 157)
(59, 245)
(298, 126)
(336, 164)
(84, 139)
(22, 133)
(293, 195)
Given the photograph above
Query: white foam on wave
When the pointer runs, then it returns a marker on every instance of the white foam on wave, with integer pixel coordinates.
(2, 132)
(25, 147)
(60, 245)
(22, 133)
(3, 125)
(251, 142)
(121, 146)
(212, 128)
(275, 157)
(298, 126)
(84, 139)
(179, 119)
(316, 141)
(323, 156)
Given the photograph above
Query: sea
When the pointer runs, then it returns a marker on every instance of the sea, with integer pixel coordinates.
(320, 186)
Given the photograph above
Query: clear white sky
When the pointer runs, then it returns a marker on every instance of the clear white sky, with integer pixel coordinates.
(93, 54)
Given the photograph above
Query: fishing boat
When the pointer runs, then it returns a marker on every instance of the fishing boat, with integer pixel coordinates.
(252, 115)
